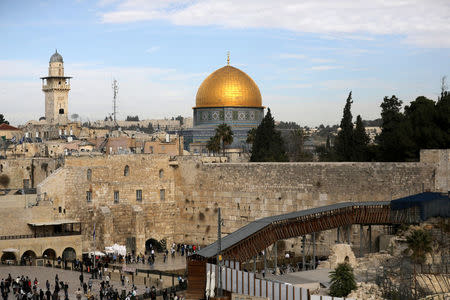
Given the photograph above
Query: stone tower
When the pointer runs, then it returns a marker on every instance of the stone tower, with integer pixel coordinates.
(56, 87)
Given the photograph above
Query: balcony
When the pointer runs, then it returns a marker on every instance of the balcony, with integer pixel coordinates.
(47, 87)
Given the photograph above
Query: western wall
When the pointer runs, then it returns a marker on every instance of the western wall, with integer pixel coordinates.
(180, 195)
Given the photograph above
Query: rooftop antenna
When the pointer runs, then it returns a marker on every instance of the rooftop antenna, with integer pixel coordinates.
(115, 88)
(228, 58)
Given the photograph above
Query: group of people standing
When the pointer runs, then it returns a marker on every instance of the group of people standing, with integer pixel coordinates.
(24, 289)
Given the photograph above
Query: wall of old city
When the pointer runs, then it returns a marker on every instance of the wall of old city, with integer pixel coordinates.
(249, 191)
(193, 190)
(34, 170)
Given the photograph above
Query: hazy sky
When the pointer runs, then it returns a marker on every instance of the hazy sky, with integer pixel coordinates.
(305, 56)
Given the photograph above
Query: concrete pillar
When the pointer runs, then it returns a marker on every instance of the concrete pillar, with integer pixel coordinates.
(265, 260)
(338, 239)
(370, 238)
(361, 228)
(349, 231)
(254, 264)
(275, 251)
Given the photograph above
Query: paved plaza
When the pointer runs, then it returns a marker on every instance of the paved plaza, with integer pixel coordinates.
(72, 277)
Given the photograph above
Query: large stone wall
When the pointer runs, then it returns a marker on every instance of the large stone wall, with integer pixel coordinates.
(35, 170)
(194, 190)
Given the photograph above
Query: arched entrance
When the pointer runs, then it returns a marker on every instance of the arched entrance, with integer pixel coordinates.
(69, 254)
(158, 246)
(28, 257)
(8, 258)
(49, 254)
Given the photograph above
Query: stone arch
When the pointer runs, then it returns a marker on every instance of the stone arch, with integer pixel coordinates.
(8, 257)
(28, 257)
(69, 254)
(89, 174)
(152, 243)
(126, 171)
(49, 254)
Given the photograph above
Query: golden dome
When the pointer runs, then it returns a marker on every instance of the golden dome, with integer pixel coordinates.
(228, 86)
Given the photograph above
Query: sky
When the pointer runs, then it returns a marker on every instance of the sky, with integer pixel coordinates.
(305, 56)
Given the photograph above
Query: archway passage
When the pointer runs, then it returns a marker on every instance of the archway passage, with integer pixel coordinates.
(49, 254)
(158, 246)
(8, 258)
(69, 254)
(28, 257)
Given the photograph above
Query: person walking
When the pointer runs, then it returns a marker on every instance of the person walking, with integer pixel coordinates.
(78, 294)
(81, 279)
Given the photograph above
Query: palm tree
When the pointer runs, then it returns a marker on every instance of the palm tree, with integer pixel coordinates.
(342, 280)
(419, 243)
(225, 134)
(213, 144)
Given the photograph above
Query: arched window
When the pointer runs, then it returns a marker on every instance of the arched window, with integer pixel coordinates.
(89, 174)
(161, 173)
(126, 171)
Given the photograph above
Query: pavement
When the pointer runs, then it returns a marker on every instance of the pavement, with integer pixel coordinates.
(72, 277)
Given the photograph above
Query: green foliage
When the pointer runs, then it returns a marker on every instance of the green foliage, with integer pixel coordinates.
(213, 144)
(344, 144)
(294, 143)
(342, 280)
(132, 118)
(288, 125)
(268, 145)
(251, 136)
(423, 125)
(419, 242)
(181, 119)
(361, 141)
(222, 138)
(4, 180)
(3, 120)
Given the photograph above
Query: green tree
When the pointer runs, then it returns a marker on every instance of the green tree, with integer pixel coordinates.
(225, 135)
(344, 143)
(251, 136)
(268, 145)
(294, 141)
(213, 144)
(422, 117)
(342, 280)
(361, 141)
(3, 120)
(395, 139)
(419, 243)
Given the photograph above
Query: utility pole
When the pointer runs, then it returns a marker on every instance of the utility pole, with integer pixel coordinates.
(219, 255)
(115, 88)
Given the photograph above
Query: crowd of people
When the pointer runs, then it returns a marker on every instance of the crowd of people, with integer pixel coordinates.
(24, 288)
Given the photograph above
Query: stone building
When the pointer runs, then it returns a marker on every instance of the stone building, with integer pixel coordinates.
(56, 87)
(229, 96)
(135, 198)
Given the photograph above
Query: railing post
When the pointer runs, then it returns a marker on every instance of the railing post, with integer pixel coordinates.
(303, 253)
(314, 250)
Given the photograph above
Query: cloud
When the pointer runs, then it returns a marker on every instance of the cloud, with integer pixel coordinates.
(324, 68)
(418, 22)
(152, 49)
(292, 55)
(322, 60)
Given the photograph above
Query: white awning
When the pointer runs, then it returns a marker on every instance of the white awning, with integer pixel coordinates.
(55, 222)
(10, 250)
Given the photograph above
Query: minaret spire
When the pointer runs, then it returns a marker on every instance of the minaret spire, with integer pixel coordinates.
(228, 58)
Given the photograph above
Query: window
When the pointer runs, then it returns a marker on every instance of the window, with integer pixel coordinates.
(138, 195)
(126, 171)
(161, 173)
(89, 174)
(162, 195)
(116, 196)
(89, 196)
(61, 111)
(26, 183)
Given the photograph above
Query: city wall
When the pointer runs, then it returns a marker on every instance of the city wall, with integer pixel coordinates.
(193, 190)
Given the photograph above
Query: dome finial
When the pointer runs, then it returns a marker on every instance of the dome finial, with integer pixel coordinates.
(228, 58)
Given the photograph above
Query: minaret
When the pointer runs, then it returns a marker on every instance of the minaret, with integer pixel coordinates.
(56, 87)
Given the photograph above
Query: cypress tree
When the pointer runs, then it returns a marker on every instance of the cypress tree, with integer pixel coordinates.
(344, 144)
(268, 145)
(361, 141)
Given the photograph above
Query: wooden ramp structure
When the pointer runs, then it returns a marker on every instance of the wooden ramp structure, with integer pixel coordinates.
(248, 241)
